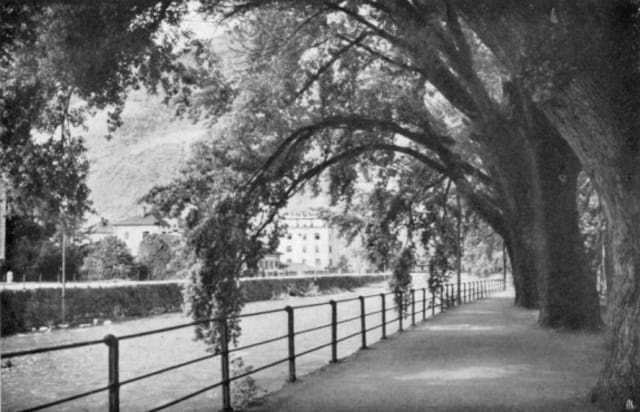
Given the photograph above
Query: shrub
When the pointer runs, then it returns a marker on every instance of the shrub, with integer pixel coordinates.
(108, 259)
(23, 309)
(155, 253)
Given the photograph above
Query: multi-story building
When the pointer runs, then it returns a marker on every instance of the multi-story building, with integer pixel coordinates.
(309, 240)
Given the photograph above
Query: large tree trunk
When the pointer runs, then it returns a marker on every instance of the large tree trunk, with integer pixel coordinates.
(620, 379)
(523, 270)
(568, 290)
(598, 114)
(609, 149)
(533, 169)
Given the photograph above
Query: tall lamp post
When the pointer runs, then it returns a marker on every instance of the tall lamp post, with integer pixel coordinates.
(3, 221)
(63, 276)
(504, 265)
(459, 268)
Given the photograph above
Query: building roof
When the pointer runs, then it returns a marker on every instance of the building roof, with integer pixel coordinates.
(101, 228)
(148, 220)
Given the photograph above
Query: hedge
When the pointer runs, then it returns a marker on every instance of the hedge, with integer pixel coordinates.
(25, 309)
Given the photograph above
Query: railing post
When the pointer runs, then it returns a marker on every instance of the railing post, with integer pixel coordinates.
(224, 364)
(424, 304)
(446, 296)
(363, 323)
(413, 307)
(384, 316)
(401, 312)
(334, 331)
(464, 292)
(114, 380)
(292, 345)
(441, 298)
(433, 303)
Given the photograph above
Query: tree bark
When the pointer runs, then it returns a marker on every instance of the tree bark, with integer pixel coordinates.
(598, 115)
(568, 289)
(620, 379)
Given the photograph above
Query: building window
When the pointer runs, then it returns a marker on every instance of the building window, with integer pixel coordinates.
(126, 235)
(304, 261)
(304, 249)
(317, 236)
(145, 234)
(330, 262)
(317, 249)
(289, 248)
(304, 237)
(318, 262)
(289, 236)
(329, 249)
(288, 260)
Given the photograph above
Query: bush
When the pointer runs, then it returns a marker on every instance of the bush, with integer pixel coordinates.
(255, 289)
(47, 266)
(109, 259)
(23, 309)
(155, 253)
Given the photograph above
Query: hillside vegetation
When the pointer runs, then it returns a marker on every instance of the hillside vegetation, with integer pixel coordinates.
(149, 149)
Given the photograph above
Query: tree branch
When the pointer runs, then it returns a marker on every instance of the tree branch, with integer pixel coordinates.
(312, 79)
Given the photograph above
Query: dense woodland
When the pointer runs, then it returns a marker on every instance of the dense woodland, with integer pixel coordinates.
(512, 110)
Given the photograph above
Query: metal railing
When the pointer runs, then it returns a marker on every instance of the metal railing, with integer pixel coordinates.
(446, 297)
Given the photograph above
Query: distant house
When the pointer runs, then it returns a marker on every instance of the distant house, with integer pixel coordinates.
(99, 231)
(133, 230)
(270, 265)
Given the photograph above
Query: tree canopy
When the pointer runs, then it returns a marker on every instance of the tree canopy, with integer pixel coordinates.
(509, 100)
(343, 80)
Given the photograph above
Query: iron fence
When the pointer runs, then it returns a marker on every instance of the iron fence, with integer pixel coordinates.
(445, 297)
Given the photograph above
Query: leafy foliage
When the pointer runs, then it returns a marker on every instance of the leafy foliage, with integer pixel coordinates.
(109, 258)
(401, 279)
(245, 390)
(52, 83)
(155, 253)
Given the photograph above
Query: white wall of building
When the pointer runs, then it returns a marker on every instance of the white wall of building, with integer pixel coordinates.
(133, 235)
(309, 240)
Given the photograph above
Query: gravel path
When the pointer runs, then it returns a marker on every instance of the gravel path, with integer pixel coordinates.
(484, 356)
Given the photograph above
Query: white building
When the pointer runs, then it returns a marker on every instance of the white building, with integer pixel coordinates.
(99, 231)
(309, 240)
(133, 230)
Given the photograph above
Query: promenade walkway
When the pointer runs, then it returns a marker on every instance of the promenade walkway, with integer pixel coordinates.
(483, 356)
